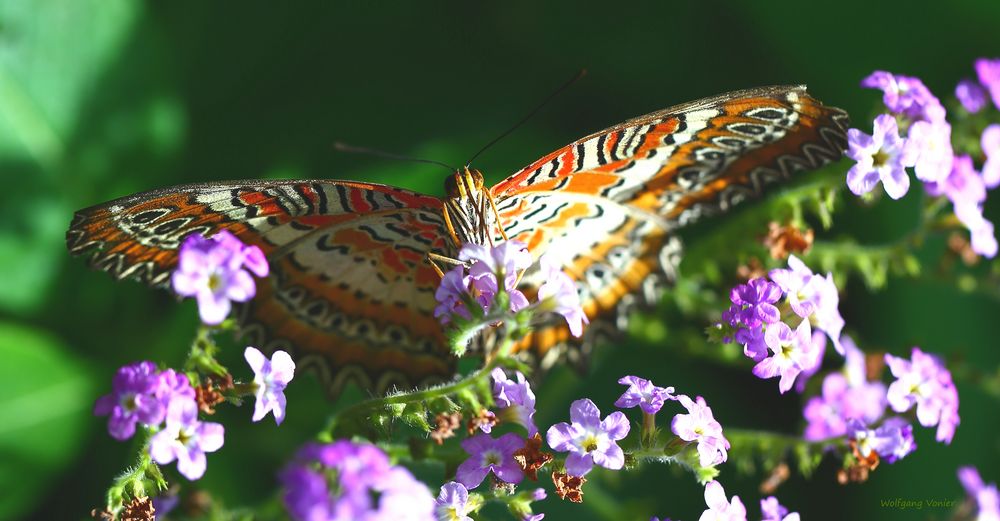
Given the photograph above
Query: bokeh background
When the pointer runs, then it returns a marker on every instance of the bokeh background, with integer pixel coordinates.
(103, 98)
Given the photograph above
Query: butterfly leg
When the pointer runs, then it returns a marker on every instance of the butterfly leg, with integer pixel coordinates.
(496, 216)
(434, 259)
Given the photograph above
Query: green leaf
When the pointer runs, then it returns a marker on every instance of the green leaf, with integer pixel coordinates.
(43, 414)
(48, 72)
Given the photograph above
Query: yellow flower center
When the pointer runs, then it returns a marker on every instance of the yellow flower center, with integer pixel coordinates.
(880, 158)
(183, 437)
(214, 281)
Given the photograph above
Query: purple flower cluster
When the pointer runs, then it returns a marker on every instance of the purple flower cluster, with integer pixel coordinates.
(845, 395)
(507, 261)
(986, 497)
(590, 441)
(884, 155)
(516, 403)
(165, 403)
(924, 382)
(212, 271)
(142, 394)
(486, 266)
(136, 397)
(892, 441)
(812, 300)
(851, 406)
(346, 481)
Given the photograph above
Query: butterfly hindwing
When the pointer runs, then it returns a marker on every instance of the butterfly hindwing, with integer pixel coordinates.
(609, 205)
(350, 294)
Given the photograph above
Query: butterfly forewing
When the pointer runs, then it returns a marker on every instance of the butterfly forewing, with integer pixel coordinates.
(350, 293)
(608, 205)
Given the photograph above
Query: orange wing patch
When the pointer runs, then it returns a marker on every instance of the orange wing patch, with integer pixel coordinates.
(608, 205)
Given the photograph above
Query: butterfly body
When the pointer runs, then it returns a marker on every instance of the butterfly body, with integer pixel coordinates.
(352, 293)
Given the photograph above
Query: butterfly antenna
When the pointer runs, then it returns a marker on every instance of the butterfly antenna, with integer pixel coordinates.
(564, 86)
(344, 147)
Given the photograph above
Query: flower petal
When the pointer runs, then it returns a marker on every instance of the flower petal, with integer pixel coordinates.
(578, 464)
(616, 425)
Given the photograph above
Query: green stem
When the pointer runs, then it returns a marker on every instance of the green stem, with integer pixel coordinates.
(423, 395)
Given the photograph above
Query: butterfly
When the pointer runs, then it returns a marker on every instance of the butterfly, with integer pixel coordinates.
(351, 290)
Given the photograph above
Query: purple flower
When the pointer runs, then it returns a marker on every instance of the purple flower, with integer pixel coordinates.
(984, 242)
(250, 257)
(132, 399)
(307, 497)
(211, 270)
(558, 294)
(753, 307)
(490, 455)
(892, 441)
(699, 425)
(971, 95)
(812, 361)
(172, 386)
(166, 502)
(515, 399)
(754, 345)
(845, 395)
(988, 71)
(990, 143)
(771, 510)
(720, 509)
(186, 439)
(504, 261)
(963, 186)
(967, 191)
(906, 95)
(269, 380)
(364, 486)
(928, 150)
(792, 351)
(643, 393)
(925, 382)
(454, 284)
(753, 302)
(879, 157)
(812, 296)
(588, 439)
(986, 496)
(520, 505)
(452, 503)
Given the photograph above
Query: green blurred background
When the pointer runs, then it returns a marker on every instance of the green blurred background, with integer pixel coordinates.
(102, 98)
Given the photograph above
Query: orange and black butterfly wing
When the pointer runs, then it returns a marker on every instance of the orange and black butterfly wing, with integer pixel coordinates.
(608, 206)
(350, 293)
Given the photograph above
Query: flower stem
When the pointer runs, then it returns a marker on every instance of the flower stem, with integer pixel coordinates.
(365, 407)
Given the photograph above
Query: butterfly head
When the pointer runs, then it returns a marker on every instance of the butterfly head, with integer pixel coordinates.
(468, 208)
(464, 183)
